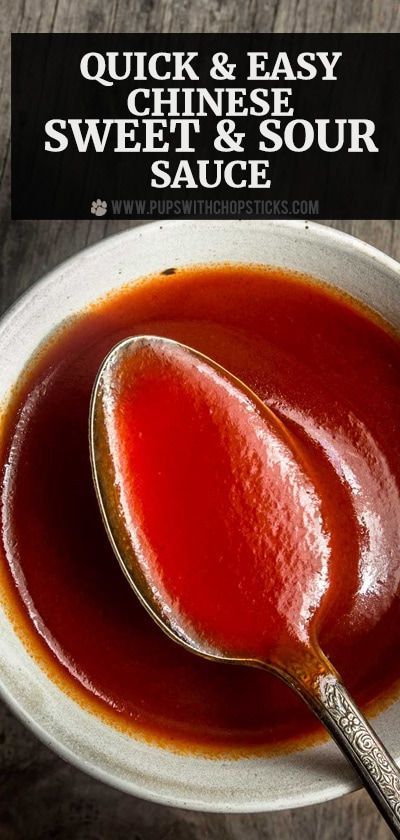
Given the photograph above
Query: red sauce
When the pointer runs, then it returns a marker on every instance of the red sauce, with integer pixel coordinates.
(331, 372)
(212, 503)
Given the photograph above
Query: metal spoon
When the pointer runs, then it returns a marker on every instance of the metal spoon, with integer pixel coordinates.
(313, 678)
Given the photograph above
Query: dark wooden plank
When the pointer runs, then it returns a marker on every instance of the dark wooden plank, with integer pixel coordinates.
(40, 795)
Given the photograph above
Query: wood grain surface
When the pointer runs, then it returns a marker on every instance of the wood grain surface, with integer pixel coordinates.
(40, 795)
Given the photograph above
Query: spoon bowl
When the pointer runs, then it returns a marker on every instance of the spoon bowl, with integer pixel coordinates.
(258, 440)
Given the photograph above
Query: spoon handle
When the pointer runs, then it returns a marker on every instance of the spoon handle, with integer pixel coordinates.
(359, 743)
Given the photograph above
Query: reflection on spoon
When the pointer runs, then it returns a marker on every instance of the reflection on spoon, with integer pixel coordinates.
(217, 520)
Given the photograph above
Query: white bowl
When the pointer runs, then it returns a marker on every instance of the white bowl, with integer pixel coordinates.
(231, 785)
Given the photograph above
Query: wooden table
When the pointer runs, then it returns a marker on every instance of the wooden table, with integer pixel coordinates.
(41, 796)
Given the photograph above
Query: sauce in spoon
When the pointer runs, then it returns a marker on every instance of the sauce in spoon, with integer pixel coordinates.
(220, 512)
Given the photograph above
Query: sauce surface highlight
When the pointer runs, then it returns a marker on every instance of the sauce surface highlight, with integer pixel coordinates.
(331, 372)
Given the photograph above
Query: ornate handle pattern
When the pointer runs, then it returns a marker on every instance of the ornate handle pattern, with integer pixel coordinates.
(362, 739)
(359, 743)
(314, 678)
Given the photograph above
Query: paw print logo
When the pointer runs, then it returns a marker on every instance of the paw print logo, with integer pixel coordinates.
(99, 207)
